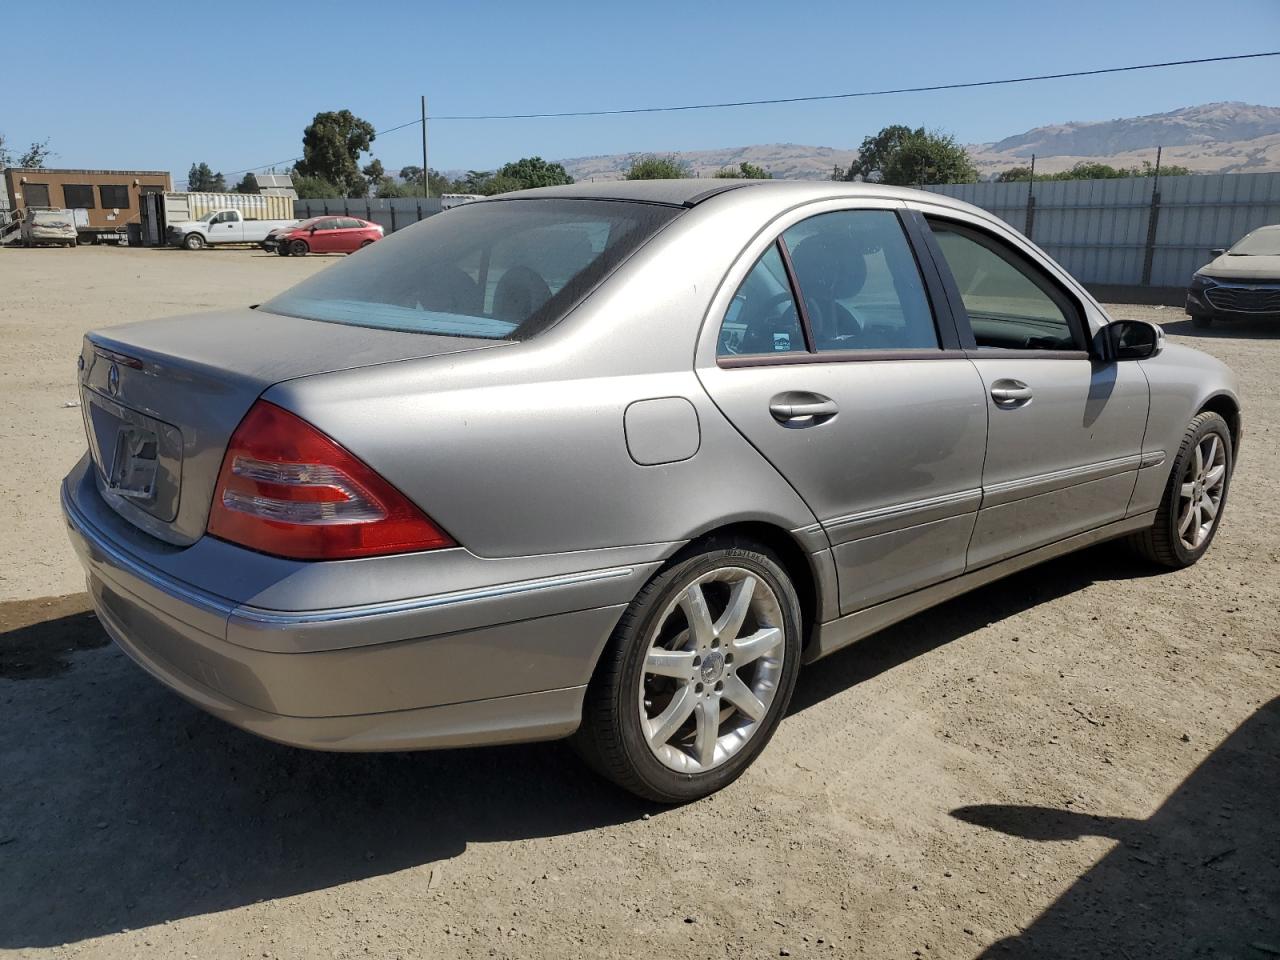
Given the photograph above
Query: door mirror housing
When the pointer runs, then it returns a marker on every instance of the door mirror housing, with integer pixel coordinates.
(1131, 340)
(1218, 251)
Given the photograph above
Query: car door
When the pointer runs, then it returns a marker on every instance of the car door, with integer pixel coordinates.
(830, 360)
(352, 233)
(325, 238)
(1065, 428)
(226, 227)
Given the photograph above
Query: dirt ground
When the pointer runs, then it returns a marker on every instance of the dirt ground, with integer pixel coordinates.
(1080, 761)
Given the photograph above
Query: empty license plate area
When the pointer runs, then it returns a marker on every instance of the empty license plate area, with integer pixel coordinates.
(138, 457)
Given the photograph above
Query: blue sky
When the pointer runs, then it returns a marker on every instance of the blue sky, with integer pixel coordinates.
(160, 85)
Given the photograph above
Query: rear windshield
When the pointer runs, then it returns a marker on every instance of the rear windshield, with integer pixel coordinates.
(501, 269)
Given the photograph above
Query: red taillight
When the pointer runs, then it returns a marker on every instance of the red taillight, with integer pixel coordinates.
(287, 489)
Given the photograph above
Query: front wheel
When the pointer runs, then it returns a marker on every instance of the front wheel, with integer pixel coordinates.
(298, 248)
(1201, 321)
(697, 675)
(1194, 498)
(282, 249)
(193, 241)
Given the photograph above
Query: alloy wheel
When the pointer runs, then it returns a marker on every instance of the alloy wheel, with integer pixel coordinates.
(1200, 496)
(712, 668)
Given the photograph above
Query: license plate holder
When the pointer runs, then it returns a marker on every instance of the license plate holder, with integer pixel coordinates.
(134, 463)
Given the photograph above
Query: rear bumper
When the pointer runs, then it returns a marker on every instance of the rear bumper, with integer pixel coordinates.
(397, 675)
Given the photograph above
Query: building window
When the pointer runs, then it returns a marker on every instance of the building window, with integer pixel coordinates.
(78, 196)
(114, 196)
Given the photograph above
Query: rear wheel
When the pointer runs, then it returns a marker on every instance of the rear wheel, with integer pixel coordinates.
(697, 675)
(1194, 498)
(298, 248)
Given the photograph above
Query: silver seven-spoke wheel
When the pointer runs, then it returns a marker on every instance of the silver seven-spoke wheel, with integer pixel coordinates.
(697, 674)
(1201, 492)
(1195, 495)
(711, 669)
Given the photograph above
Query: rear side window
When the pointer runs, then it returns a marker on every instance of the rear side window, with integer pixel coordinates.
(762, 317)
(501, 269)
(1011, 304)
(862, 289)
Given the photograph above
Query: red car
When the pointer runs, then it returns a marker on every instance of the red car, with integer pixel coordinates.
(323, 235)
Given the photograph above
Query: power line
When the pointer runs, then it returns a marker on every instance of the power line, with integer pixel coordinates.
(808, 99)
(861, 93)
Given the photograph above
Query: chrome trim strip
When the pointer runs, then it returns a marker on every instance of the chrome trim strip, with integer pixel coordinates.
(912, 512)
(1152, 458)
(246, 612)
(259, 615)
(1024, 487)
(136, 568)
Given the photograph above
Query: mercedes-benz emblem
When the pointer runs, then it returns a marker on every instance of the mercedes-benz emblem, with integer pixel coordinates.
(113, 380)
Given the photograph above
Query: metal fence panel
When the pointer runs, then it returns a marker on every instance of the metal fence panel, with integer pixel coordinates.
(392, 214)
(1099, 230)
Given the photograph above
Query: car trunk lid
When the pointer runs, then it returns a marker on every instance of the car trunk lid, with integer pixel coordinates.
(160, 399)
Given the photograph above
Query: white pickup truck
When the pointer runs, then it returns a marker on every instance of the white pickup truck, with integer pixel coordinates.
(221, 226)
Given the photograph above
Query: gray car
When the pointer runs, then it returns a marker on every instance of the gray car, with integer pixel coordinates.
(614, 460)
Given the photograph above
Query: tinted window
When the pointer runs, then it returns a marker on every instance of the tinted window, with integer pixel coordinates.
(1011, 304)
(347, 223)
(861, 287)
(114, 196)
(497, 269)
(77, 196)
(762, 317)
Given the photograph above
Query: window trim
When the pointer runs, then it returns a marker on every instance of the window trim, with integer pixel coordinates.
(949, 344)
(114, 206)
(66, 201)
(1041, 278)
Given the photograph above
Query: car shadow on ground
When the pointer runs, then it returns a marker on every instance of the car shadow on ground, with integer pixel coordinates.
(1223, 329)
(1200, 877)
(122, 807)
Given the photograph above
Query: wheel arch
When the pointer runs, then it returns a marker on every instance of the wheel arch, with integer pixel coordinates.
(1228, 408)
(805, 569)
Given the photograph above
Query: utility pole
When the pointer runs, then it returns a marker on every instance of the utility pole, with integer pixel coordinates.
(1031, 199)
(426, 177)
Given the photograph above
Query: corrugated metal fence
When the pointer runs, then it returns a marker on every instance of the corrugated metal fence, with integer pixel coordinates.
(1132, 233)
(391, 214)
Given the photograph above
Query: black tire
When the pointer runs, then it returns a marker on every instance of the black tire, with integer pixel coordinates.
(298, 248)
(1201, 321)
(611, 740)
(282, 249)
(193, 241)
(1160, 543)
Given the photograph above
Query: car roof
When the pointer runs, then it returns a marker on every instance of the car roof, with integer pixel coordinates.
(691, 191)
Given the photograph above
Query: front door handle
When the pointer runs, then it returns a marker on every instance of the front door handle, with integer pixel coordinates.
(1010, 393)
(800, 408)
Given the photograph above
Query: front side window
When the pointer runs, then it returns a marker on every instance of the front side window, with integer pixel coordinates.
(762, 317)
(77, 196)
(114, 196)
(861, 287)
(501, 269)
(1010, 303)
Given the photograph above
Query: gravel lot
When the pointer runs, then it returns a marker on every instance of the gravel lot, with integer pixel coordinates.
(1082, 760)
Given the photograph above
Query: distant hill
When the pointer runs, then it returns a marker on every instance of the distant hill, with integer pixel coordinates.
(1209, 138)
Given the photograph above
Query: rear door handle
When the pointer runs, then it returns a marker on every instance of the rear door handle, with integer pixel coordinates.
(799, 408)
(1010, 393)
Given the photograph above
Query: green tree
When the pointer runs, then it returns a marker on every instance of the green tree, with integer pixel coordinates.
(534, 172)
(331, 148)
(315, 188)
(202, 179)
(1093, 170)
(745, 171)
(248, 184)
(652, 167)
(33, 157)
(904, 157)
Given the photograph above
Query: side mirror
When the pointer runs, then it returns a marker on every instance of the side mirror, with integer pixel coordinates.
(313, 229)
(1131, 340)
(1218, 251)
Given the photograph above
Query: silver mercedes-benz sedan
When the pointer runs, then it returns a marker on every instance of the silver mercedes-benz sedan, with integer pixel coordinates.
(614, 460)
